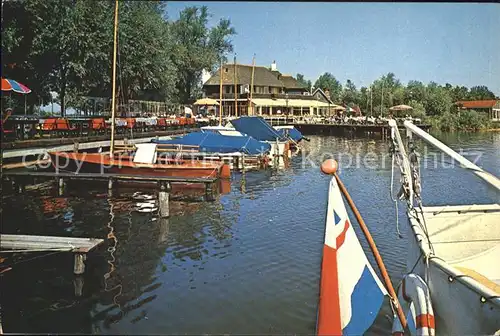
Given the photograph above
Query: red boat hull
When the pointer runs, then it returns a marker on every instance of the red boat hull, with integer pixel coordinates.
(102, 163)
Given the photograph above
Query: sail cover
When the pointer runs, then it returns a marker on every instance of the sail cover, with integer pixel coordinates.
(291, 133)
(217, 143)
(257, 128)
(351, 294)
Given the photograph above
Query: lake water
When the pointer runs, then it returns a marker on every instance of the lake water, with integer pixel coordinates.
(249, 262)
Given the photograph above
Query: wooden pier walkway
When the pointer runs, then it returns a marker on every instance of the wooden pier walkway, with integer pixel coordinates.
(31, 243)
(343, 129)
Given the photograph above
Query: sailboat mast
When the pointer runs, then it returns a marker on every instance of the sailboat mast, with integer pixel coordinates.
(220, 95)
(113, 94)
(251, 83)
(235, 90)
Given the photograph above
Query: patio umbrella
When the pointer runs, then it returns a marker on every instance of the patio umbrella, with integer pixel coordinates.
(12, 85)
(206, 101)
(401, 108)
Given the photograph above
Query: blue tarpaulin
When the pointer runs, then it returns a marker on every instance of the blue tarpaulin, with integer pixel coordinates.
(292, 133)
(257, 128)
(217, 143)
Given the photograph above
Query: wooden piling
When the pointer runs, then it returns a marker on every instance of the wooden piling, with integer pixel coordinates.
(61, 186)
(79, 266)
(78, 283)
(163, 200)
(75, 147)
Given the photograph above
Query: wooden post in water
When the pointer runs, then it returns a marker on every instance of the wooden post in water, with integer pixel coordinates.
(78, 283)
(163, 198)
(79, 266)
(61, 186)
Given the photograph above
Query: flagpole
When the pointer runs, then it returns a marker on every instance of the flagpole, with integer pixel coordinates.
(235, 90)
(330, 167)
(113, 94)
(220, 95)
(251, 84)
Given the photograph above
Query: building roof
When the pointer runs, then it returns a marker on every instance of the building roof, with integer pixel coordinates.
(477, 103)
(323, 94)
(262, 77)
(291, 83)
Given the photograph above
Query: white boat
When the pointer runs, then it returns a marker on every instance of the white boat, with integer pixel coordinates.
(454, 249)
(223, 130)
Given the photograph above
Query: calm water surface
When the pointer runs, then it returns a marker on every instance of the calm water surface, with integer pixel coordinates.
(249, 262)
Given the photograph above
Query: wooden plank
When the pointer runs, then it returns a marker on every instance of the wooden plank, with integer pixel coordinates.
(12, 153)
(462, 208)
(26, 164)
(40, 243)
(107, 176)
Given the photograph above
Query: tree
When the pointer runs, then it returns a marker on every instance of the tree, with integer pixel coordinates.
(196, 47)
(350, 95)
(480, 93)
(305, 83)
(328, 82)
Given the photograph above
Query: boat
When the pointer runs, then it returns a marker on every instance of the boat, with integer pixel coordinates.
(291, 132)
(452, 280)
(217, 143)
(222, 130)
(143, 161)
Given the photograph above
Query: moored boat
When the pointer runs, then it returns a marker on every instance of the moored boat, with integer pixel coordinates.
(104, 163)
(454, 250)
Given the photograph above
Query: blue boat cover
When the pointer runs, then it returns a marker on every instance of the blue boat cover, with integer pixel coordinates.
(292, 133)
(217, 143)
(257, 128)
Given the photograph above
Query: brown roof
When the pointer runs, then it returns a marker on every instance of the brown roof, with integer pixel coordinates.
(262, 77)
(291, 83)
(477, 103)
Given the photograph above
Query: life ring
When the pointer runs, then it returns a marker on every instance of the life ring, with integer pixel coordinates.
(414, 296)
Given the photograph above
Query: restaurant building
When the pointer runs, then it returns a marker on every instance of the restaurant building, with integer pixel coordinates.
(273, 93)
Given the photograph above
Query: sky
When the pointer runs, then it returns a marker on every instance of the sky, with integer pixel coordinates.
(456, 43)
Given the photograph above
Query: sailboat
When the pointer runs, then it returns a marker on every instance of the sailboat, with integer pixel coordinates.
(452, 283)
(144, 160)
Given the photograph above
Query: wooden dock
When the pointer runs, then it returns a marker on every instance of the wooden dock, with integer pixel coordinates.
(347, 129)
(20, 179)
(41, 147)
(30, 243)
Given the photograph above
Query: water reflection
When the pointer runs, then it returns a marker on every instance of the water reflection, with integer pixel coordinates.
(248, 262)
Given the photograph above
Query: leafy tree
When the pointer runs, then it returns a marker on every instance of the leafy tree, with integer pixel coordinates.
(350, 95)
(302, 81)
(196, 47)
(328, 82)
(480, 93)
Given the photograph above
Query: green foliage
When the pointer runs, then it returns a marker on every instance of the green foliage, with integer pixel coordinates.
(66, 46)
(305, 83)
(328, 82)
(471, 120)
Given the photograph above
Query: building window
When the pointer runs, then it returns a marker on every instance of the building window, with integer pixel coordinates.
(226, 70)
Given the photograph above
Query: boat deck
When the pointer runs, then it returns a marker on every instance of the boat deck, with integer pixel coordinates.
(468, 238)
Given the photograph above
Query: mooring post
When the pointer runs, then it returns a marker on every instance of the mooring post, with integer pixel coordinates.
(61, 186)
(78, 283)
(163, 197)
(110, 187)
(79, 267)
(243, 162)
(209, 191)
(75, 147)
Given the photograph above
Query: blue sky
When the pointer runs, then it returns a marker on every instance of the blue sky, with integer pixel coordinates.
(448, 42)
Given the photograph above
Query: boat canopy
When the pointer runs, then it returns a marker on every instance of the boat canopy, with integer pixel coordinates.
(257, 128)
(290, 132)
(217, 143)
